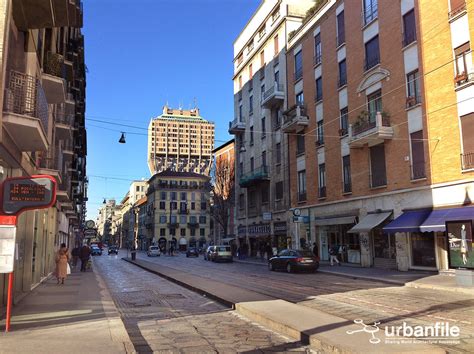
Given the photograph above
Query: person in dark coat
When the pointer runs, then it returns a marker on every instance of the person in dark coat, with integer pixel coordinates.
(316, 250)
(84, 255)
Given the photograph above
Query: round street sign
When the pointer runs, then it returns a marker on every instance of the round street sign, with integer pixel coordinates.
(296, 212)
(90, 224)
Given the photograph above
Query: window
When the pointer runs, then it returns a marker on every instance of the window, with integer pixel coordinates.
(250, 71)
(467, 130)
(265, 195)
(162, 232)
(417, 155)
(183, 232)
(301, 186)
(275, 45)
(240, 82)
(372, 55)
(378, 175)
(322, 181)
(182, 219)
(342, 73)
(319, 89)
(264, 158)
(192, 231)
(172, 232)
(162, 219)
(262, 92)
(300, 147)
(203, 205)
(374, 105)
(300, 98)
(278, 153)
(163, 195)
(264, 133)
(252, 165)
(183, 195)
(202, 219)
(240, 113)
(277, 78)
(344, 121)
(370, 11)
(173, 219)
(456, 6)
(413, 90)
(241, 169)
(298, 65)
(463, 64)
(320, 131)
(162, 205)
(251, 199)
(346, 174)
(409, 28)
(193, 206)
(173, 205)
(138, 188)
(279, 191)
(251, 135)
(241, 201)
(202, 232)
(262, 58)
(276, 119)
(341, 36)
(240, 58)
(317, 49)
(173, 195)
(250, 104)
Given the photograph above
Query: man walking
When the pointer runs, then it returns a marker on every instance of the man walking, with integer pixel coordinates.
(84, 255)
(333, 255)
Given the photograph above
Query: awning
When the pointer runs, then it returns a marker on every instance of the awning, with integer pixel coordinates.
(339, 220)
(409, 221)
(369, 222)
(428, 220)
(227, 239)
(436, 221)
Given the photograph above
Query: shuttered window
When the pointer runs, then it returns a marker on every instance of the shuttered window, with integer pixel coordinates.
(417, 155)
(377, 166)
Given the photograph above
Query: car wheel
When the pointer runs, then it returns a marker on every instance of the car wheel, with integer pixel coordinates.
(289, 268)
(271, 268)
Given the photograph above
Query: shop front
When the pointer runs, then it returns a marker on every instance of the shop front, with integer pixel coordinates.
(280, 232)
(258, 239)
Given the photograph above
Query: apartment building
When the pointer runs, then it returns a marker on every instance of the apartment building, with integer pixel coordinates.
(178, 210)
(378, 122)
(223, 197)
(180, 140)
(261, 194)
(108, 221)
(42, 126)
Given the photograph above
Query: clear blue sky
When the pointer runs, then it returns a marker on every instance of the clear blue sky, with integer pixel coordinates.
(141, 54)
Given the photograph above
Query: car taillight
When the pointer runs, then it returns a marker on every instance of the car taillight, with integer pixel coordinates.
(299, 259)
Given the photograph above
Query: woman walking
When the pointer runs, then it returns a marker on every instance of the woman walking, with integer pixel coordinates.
(62, 259)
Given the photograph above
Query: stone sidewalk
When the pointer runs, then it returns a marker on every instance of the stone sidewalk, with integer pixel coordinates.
(77, 317)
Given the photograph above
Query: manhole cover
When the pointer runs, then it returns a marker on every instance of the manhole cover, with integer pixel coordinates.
(135, 299)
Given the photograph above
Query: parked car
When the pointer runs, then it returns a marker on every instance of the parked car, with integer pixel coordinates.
(96, 251)
(207, 253)
(221, 253)
(153, 251)
(293, 260)
(192, 252)
(113, 249)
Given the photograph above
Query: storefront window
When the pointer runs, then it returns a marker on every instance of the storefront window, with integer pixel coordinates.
(348, 244)
(384, 244)
(460, 241)
(423, 249)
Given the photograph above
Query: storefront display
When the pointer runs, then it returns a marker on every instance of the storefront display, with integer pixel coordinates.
(460, 244)
(423, 249)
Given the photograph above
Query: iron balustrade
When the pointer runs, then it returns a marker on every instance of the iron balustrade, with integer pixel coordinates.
(322, 192)
(413, 101)
(418, 170)
(371, 62)
(317, 59)
(298, 74)
(24, 95)
(62, 117)
(467, 160)
(457, 10)
(302, 196)
(378, 180)
(369, 123)
(271, 91)
(409, 37)
(347, 187)
(54, 65)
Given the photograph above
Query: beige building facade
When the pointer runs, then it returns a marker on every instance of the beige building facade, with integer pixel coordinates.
(180, 140)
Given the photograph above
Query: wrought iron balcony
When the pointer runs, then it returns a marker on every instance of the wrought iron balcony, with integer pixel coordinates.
(54, 72)
(371, 131)
(51, 166)
(417, 170)
(193, 224)
(467, 160)
(457, 11)
(25, 112)
(274, 95)
(295, 119)
(253, 177)
(63, 122)
(236, 126)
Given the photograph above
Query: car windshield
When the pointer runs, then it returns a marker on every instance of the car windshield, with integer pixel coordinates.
(153, 248)
(223, 249)
(305, 254)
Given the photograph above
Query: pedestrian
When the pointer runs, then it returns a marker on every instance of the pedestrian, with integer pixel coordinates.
(333, 255)
(269, 251)
(171, 250)
(84, 255)
(239, 252)
(75, 256)
(62, 259)
(316, 251)
(262, 251)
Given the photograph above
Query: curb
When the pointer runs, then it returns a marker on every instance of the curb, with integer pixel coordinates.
(185, 285)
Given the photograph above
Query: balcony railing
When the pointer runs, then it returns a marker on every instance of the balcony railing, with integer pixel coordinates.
(378, 181)
(370, 123)
(371, 62)
(463, 78)
(369, 13)
(417, 170)
(370, 129)
(457, 10)
(302, 196)
(322, 192)
(54, 65)
(62, 117)
(342, 80)
(317, 59)
(257, 175)
(295, 118)
(347, 187)
(409, 37)
(341, 38)
(413, 101)
(25, 96)
(467, 160)
(298, 74)
(236, 126)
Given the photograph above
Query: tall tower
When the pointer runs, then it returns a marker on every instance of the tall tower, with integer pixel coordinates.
(180, 140)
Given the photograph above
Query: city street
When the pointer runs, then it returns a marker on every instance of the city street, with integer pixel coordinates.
(161, 316)
(341, 296)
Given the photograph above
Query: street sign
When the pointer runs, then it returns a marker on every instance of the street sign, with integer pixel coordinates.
(267, 216)
(26, 193)
(303, 219)
(90, 224)
(90, 233)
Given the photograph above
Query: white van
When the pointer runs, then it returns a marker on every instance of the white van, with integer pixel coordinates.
(153, 251)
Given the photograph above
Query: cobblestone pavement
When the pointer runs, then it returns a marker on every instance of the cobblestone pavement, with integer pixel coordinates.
(163, 317)
(344, 297)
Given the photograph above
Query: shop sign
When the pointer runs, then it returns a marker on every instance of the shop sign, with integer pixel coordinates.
(301, 219)
(90, 233)
(460, 244)
(267, 216)
(242, 230)
(262, 229)
(279, 228)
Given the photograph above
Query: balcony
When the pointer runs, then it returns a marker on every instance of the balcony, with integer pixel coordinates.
(417, 170)
(253, 177)
(64, 122)
(463, 78)
(173, 225)
(25, 112)
(273, 96)
(370, 131)
(322, 192)
(236, 126)
(36, 14)
(193, 224)
(413, 101)
(295, 119)
(379, 180)
(457, 11)
(467, 160)
(53, 76)
(51, 166)
(68, 149)
(301, 197)
(63, 192)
